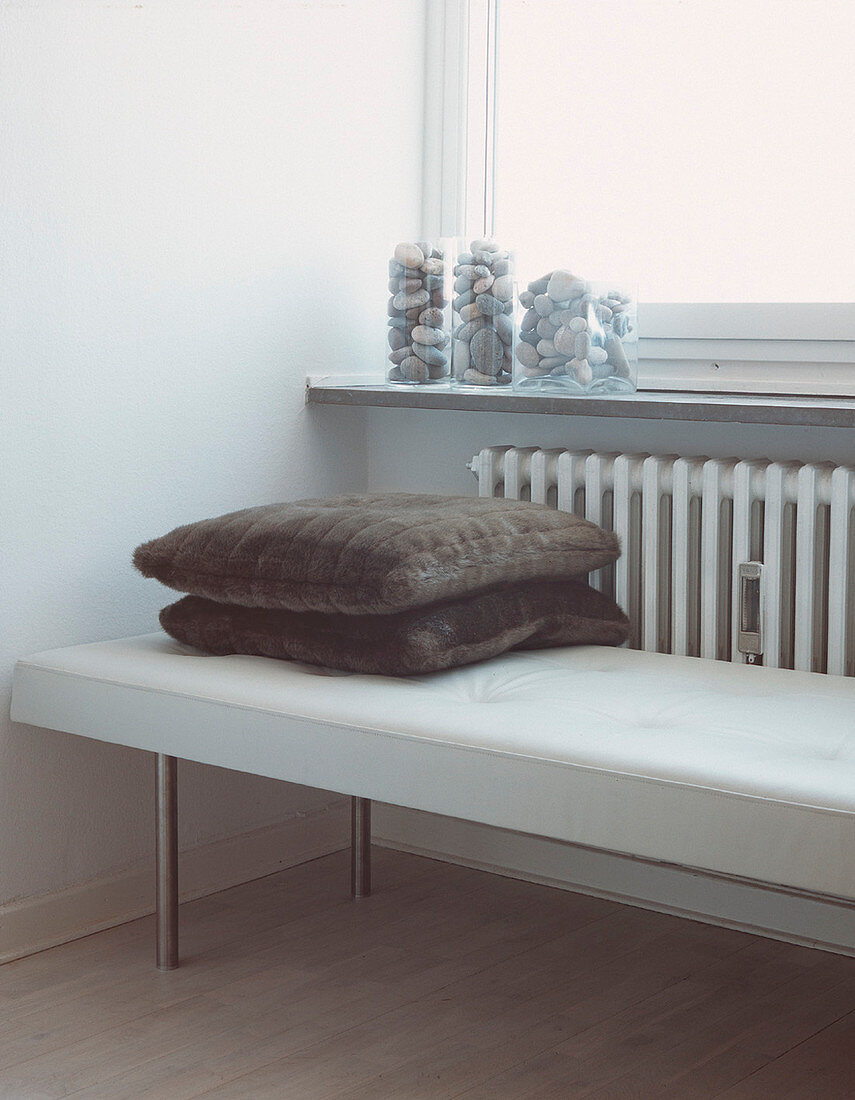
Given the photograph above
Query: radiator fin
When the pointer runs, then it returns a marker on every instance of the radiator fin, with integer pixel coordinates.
(686, 526)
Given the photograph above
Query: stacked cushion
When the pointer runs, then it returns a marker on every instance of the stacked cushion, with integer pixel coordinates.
(388, 583)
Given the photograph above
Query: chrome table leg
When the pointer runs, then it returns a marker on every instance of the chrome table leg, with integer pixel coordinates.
(167, 862)
(360, 847)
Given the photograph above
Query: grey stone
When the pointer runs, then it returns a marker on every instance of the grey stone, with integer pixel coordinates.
(433, 337)
(488, 305)
(553, 362)
(526, 299)
(391, 311)
(432, 317)
(412, 315)
(467, 330)
(596, 356)
(486, 350)
(545, 329)
(433, 267)
(539, 285)
(400, 354)
(399, 322)
(475, 378)
(433, 282)
(481, 257)
(403, 300)
(394, 375)
(438, 299)
(545, 348)
(462, 283)
(580, 369)
(397, 339)
(503, 288)
(470, 312)
(484, 244)
(501, 267)
(505, 328)
(465, 258)
(565, 341)
(437, 372)
(409, 255)
(530, 337)
(617, 356)
(414, 369)
(529, 321)
(432, 356)
(564, 285)
(482, 285)
(543, 305)
(396, 270)
(464, 299)
(527, 355)
(582, 345)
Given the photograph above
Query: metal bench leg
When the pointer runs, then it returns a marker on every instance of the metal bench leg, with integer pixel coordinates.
(360, 847)
(167, 862)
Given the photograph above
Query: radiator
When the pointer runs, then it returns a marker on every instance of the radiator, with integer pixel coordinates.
(724, 559)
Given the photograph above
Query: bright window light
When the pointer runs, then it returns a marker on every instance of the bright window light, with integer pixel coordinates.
(700, 148)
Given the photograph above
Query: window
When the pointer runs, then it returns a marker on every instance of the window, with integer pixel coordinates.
(699, 150)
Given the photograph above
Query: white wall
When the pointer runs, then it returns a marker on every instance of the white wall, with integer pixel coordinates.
(196, 197)
(426, 450)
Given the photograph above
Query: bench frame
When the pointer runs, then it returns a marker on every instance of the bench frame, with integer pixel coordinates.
(166, 826)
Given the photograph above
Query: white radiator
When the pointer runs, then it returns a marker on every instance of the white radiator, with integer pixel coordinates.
(722, 559)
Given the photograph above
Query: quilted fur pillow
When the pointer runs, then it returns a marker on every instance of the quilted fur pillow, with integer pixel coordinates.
(527, 615)
(373, 554)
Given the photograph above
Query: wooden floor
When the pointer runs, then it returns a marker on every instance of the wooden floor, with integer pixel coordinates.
(447, 982)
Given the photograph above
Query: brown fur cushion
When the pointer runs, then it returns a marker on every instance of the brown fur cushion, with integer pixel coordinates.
(370, 554)
(530, 615)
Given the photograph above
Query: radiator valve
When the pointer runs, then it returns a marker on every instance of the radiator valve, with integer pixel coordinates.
(750, 632)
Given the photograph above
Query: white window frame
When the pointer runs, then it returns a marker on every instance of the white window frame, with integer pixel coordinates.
(808, 348)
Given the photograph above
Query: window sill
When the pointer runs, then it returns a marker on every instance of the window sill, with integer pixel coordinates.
(819, 412)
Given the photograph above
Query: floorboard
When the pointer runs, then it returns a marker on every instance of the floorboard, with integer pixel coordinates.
(447, 982)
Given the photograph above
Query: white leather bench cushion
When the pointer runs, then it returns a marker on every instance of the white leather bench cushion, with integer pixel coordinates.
(742, 770)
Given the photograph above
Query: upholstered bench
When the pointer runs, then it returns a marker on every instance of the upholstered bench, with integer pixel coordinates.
(741, 770)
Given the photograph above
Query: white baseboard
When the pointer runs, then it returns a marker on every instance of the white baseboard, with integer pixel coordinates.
(793, 916)
(34, 924)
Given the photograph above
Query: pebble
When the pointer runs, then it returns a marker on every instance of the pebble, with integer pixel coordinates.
(397, 339)
(434, 337)
(596, 356)
(551, 363)
(476, 378)
(483, 244)
(564, 285)
(502, 267)
(462, 283)
(530, 337)
(405, 300)
(505, 328)
(488, 305)
(484, 258)
(399, 322)
(433, 282)
(565, 340)
(414, 369)
(462, 300)
(582, 345)
(539, 285)
(577, 324)
(617, 356)
(582, 370)
(503, 288)
(543, 305)
(432, 356)
(468, 329)
(482, 285)
(486, 350)
(431, 316)
(409, 255)
(526, 299)
(545, 348)
(545, 329)
(433, 267)
(470, 312)
(465, 258)
(530, 320)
